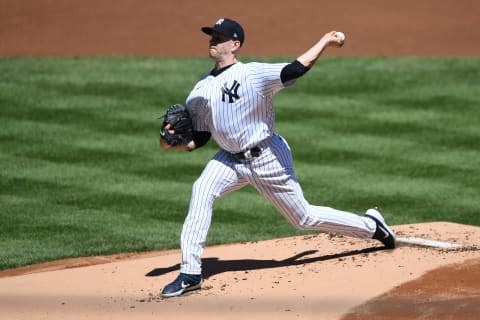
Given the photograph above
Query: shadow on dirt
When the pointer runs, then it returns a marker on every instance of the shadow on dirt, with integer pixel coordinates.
(213, 265)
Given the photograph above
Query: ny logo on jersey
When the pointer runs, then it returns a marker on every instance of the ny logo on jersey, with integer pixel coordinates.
(231, 92)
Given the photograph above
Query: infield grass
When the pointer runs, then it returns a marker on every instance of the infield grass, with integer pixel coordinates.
(82, 173)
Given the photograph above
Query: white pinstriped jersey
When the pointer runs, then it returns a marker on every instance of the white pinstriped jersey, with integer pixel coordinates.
(236, 106)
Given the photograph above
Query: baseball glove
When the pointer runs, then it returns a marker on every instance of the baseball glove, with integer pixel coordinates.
(181, 122)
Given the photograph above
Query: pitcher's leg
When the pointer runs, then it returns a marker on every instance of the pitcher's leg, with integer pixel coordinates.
(339, 222)
(217, 179)
(292, 204)
(273, 176)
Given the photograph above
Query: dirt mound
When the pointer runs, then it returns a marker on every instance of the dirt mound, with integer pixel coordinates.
(451, 292)
(320, 276)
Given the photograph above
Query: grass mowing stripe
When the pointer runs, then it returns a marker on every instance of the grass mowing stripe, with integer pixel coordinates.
(82, 173)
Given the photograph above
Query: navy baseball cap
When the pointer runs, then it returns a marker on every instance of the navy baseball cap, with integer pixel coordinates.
(227, 27)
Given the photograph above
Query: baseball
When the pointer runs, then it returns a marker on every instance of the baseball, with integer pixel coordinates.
(341, 37)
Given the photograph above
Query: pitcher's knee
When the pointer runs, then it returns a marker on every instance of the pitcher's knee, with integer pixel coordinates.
(201, 187)
(197, 186)
(308, 222)
(203, 195)
(302, 225)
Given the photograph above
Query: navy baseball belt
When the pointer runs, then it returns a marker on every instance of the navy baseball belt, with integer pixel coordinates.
(254, 152)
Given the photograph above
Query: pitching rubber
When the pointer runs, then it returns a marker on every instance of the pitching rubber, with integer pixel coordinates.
(428, 243)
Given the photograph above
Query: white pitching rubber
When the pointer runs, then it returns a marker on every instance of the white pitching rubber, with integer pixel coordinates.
(428, 243)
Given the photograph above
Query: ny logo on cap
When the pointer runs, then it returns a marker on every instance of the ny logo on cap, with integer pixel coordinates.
(219, 21)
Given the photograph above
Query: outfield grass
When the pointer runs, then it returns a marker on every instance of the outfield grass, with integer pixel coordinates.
(82, 173)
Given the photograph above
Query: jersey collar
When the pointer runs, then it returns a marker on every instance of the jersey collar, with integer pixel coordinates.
(216, 72)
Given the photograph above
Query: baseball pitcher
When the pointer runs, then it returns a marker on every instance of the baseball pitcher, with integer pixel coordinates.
(233, 104)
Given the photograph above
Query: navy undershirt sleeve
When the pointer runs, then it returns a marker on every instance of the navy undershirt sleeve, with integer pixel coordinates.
(293, 71)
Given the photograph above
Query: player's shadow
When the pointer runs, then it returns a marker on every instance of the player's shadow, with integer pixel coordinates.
(213, 266)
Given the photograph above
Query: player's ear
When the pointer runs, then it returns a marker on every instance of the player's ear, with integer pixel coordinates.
(236, 46)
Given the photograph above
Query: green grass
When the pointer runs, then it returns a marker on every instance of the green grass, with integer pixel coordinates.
(82, 173)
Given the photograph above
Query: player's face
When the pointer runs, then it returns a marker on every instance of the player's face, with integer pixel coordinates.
(220, 46)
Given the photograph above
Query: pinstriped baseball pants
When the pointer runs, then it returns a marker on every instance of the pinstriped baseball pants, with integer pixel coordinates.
(272, 175)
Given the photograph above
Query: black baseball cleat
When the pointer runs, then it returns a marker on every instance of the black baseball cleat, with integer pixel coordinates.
(383, 232)
(183, 283)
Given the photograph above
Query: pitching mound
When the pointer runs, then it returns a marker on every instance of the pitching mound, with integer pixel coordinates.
(317, 277)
